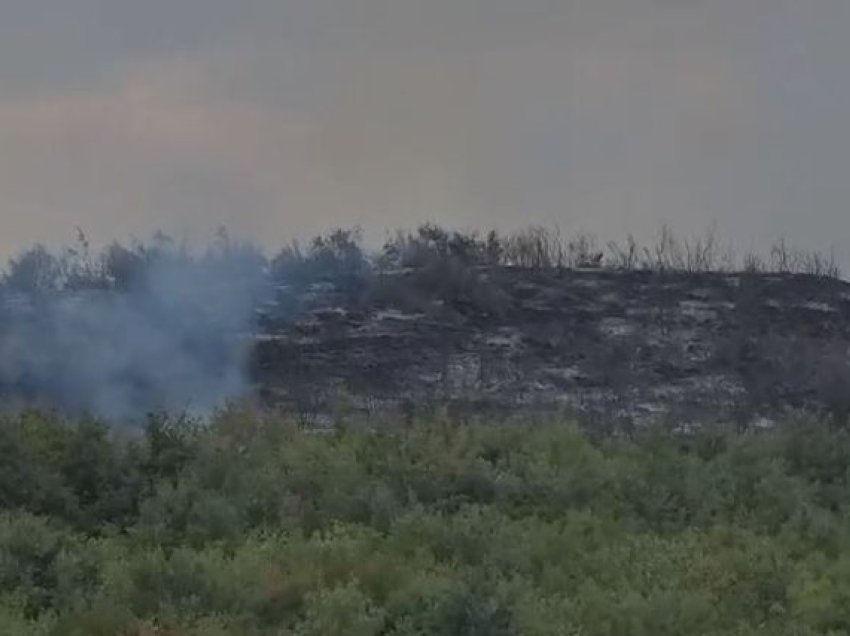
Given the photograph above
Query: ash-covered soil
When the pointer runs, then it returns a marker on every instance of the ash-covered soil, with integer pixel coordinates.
(626, 347)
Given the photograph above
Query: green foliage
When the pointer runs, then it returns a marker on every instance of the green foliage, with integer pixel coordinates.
(69, 471)
(249, 526)
(341, 611)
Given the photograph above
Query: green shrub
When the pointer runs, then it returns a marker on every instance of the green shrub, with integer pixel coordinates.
(250, 526)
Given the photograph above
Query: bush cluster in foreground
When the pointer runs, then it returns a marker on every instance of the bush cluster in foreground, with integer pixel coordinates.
(248, 525)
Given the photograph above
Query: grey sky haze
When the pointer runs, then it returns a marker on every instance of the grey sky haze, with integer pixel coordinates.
(279, 118)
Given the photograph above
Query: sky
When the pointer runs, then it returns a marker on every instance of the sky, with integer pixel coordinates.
(279, 119)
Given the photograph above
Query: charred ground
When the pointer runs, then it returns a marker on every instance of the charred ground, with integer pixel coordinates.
(621, 347)
(480, 325)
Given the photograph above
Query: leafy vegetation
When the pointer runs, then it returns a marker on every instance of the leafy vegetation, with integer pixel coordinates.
(437, 256)
(250, 525)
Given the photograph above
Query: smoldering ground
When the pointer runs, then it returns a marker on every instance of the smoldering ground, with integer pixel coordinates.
(171, 338)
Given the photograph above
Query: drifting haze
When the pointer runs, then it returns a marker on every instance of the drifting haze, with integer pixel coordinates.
(280, 118)
(173, 337)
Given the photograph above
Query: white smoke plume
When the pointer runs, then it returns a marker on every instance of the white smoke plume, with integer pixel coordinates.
(172, 338)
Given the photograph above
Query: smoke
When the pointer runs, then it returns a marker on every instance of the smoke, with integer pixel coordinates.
(170, 338)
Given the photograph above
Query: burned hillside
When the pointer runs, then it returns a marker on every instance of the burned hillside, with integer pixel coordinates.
(628, 347)
(480, 325)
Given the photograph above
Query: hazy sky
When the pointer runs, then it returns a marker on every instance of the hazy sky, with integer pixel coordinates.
(279, 118)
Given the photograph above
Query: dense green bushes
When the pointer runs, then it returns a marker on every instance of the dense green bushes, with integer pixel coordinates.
(251, 526)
